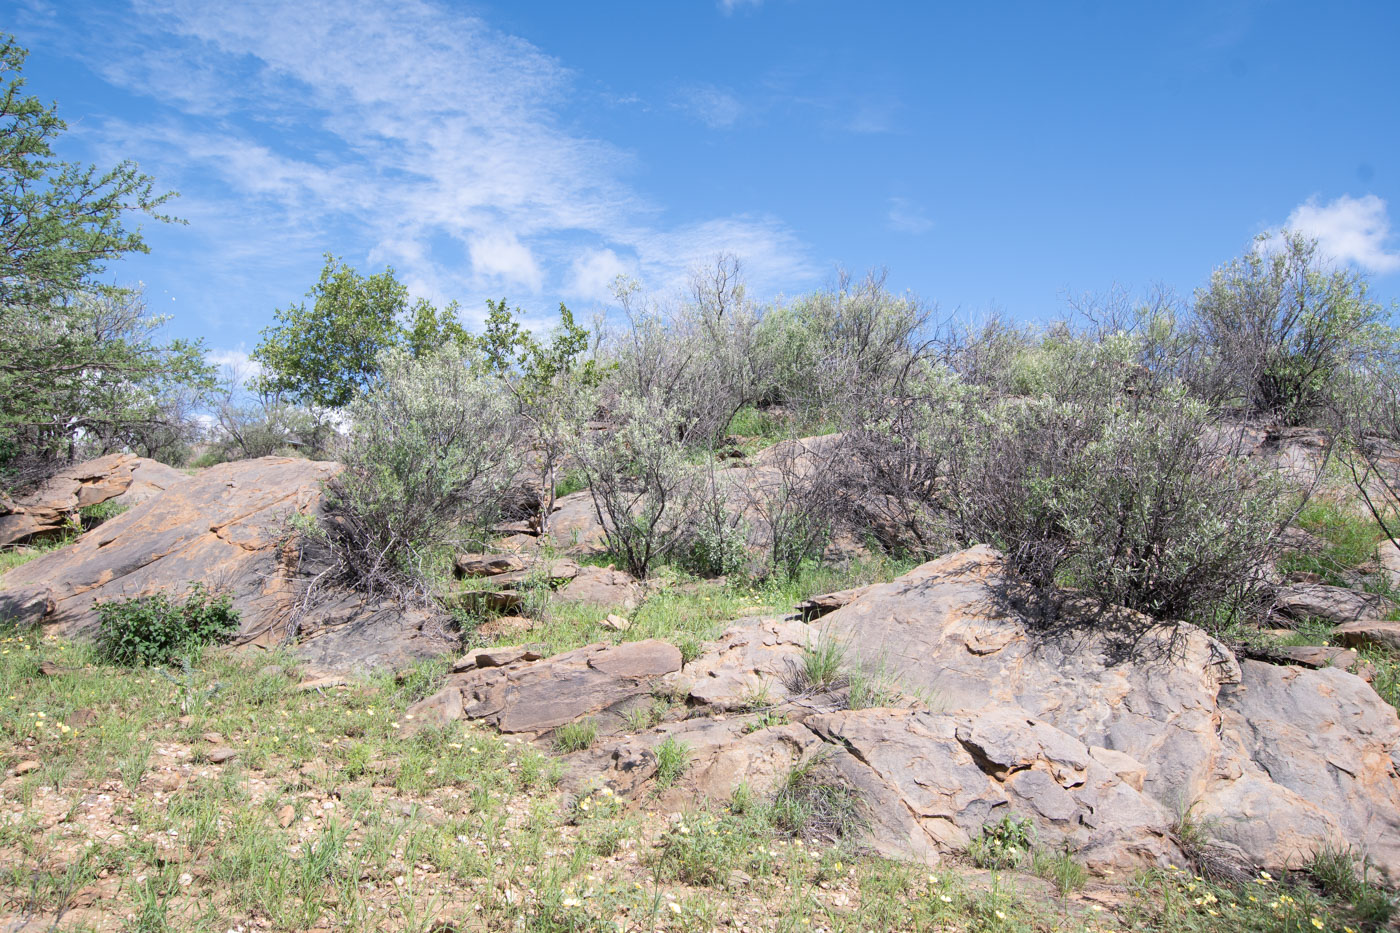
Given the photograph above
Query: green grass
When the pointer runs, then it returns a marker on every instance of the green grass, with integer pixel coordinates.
(13, 557)
(1349, 537)
(575, 736)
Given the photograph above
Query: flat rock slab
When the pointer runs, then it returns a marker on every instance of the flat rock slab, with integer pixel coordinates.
(603, 587)
(1332, 603)
(1317, 656)
(536, 696)
(487, 565)
(1369, 633)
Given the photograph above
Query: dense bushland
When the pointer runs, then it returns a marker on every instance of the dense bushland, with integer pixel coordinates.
(1106, 453)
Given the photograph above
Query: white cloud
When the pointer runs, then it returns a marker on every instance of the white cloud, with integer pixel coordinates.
(1354, 230)
(713, 106)
(907, 217)
(235, 364)
(502, 258)
(418, 133)
(729, 6)
(592, 273)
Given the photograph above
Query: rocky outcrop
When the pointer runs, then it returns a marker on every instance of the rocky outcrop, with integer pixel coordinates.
(1102, 730)
(227, 528)
(121, 478)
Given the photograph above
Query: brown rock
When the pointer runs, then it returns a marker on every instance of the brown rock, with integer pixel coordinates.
(751, 660)
(320, 683)
(213, 738)
(494, 657)
(1369, 632)
(1389, 557)
(487, 565)
(123, 478)
(221, 754)
(285, 815)
(227, 527)
(574, 526)
(26, 766)
(536, 696)
(615, 623)
(82, 718)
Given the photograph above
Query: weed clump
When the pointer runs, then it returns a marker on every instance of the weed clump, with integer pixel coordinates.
(157, 629)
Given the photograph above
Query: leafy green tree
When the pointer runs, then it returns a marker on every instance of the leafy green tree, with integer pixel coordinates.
(552, 383)
(81, 364)
(327, 354)
(1282, 328)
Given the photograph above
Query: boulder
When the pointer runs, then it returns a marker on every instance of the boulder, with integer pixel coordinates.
(1369, 633)
(121, 478)
(227, 527)
(1389, 559)
(1332, 603)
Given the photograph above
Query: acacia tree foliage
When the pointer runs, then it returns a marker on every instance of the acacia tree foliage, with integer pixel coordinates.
(80, 362)
(326, 354)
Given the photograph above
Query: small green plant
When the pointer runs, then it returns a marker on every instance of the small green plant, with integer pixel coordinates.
(1003, 844)
(90, 516)
(870, 689)
(822, 668)
(766, 720)
(672, 758)
(690, 646)
(570, 481)
(1060, 869)
(158, 630)
(575, 736)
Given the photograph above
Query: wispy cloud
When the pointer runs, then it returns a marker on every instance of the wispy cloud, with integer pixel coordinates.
(905, 216)
(711, 105)
(422, 136)
(729, 6)
(1354, 230)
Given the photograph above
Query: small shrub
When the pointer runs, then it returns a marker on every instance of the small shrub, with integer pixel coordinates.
(575, 736)
(1341, 873)
(870, 689)
(1003, 844)
(90, 516)
(158, 630)
(672, 758)
(766, 721)
(822, 668)
(808, 804)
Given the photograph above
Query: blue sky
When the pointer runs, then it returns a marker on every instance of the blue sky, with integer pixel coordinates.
(992, 156)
